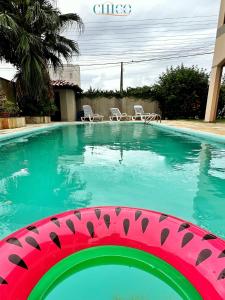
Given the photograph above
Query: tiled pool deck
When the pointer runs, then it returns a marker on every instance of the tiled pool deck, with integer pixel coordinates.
(213, 128)
(197, 128)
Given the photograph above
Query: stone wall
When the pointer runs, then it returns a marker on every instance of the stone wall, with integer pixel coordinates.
(38, 120)
(102, 105)
(9, 123)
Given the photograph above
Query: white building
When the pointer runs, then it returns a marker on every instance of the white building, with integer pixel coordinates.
(69, 72)
(66, 84)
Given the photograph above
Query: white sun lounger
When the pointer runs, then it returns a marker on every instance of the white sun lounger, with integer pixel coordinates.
(116, 115)
(89, 115)
(140, 114)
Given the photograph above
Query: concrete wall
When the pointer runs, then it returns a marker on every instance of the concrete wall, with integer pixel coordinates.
(219, 56)
(67, 105)
(102, 105)
(217, 68)
(69, 73)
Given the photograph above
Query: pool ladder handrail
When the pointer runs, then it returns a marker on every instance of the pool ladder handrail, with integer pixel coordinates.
(153, 117)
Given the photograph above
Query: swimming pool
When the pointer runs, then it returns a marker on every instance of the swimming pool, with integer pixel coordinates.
(111, 164)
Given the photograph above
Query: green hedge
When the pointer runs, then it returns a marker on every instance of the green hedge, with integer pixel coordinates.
(181, 93)
(144, 92)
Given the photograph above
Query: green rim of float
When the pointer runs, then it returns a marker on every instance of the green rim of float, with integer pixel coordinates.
(106, 255)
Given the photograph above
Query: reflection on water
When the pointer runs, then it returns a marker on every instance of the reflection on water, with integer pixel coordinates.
(111, 164)
(209, 202)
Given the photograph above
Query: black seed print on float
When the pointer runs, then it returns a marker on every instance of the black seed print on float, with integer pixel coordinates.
(70, 225)
(209, 237)
(16, 260)
(183, 227)
(222, 275)
(54, 237)
(144, 224)
(222, 254)
(78, 214)
(3, 281)
(164, 235)
(90, 228)
(14, 241)
(163, 217)
(126, 226)
(107, 220)
(118, 210)
(203, 255)
(31, 241)
(55, 221)
(98, 213)
(186, 239)
(33, 228)
(138, 214)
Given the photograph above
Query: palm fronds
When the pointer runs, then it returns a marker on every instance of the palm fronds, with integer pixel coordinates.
(30, 39)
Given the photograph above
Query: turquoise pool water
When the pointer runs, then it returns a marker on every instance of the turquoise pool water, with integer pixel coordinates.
(111, 164)
(107, 286)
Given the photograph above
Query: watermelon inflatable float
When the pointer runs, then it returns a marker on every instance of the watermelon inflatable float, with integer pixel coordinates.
(33, 259)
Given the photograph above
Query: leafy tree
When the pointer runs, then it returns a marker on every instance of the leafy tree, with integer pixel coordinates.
(30, 40)
(182, 92)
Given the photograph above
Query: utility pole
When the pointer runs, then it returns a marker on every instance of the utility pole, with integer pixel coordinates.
(121, 78)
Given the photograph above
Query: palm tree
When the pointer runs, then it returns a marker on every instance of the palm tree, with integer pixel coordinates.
(30, 40)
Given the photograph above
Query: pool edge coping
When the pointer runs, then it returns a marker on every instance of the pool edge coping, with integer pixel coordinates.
(27, 131)
(213, 137)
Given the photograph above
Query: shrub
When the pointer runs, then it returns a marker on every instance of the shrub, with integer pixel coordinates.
(9, 108)
(182, 92)
(144, 92)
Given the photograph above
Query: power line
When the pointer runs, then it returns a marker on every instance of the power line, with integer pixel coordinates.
(79, 39)
(112, 30)
(158, 19)
(143, 55)
(100, 68)
(145, 60)
(182, 56)
(166, 36)
(82, 57)
(138, 61)
(130, 65)
(136, 32)
(184, 45)
(131, 62)
(129, 40)
(154, 25)
(158, 43)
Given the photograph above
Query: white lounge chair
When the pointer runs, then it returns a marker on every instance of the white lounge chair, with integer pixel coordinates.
(116, 115)
(140, 114)
(89, 115)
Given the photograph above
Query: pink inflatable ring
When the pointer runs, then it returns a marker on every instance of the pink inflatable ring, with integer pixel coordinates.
(27, 255)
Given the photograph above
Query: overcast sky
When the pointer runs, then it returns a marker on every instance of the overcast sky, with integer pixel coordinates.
(160, 32)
